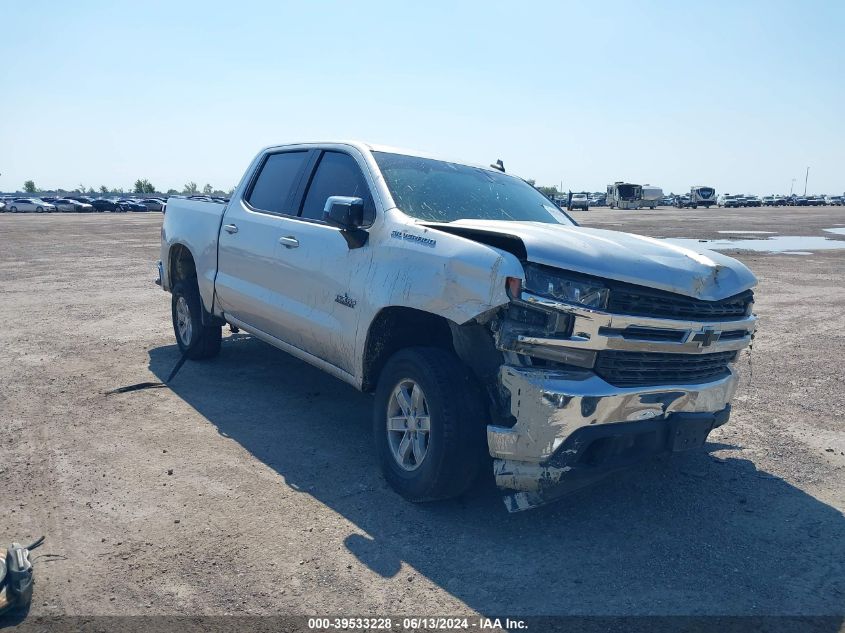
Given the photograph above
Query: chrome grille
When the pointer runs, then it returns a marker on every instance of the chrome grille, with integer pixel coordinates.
(631, 369)
(666, 305)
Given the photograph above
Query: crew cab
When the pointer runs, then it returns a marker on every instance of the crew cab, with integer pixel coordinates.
(484, 320)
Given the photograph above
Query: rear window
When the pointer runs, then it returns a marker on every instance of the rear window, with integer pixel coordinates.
(272, 188)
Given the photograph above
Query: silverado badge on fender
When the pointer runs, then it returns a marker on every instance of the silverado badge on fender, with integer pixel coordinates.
(345, 300)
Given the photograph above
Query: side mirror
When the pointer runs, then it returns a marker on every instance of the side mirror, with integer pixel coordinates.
(344, 212)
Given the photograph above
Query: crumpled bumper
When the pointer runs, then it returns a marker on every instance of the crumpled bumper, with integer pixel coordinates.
(573, 428)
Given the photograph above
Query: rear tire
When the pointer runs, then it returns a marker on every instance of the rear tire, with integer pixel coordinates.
(450, 406)
(195, 340)
(13, 209)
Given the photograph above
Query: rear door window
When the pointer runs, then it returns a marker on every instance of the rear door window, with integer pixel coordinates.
(273, 188)
(337, 175)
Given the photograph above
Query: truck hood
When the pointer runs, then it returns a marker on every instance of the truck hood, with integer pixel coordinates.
(635, 259)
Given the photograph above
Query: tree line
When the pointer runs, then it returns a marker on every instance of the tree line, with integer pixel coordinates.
(142, 186)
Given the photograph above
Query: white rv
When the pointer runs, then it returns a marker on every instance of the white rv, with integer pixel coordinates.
(624, 195)
(651, 196)
(702, 196)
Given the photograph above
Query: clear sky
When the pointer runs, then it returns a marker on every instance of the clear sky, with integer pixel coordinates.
(742, 96)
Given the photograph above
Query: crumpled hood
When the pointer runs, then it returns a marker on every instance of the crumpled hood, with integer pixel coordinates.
(634, 259)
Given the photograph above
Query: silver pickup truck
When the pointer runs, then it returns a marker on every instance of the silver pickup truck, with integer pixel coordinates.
(486, 322)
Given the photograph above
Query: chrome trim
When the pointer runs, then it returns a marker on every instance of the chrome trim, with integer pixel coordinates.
(588, 322)
(550, 405)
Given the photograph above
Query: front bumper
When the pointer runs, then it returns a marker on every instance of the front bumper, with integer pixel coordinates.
(549, 406)
(593, 452)
(573, 428)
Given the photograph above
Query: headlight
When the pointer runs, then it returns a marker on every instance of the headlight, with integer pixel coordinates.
(570, 288)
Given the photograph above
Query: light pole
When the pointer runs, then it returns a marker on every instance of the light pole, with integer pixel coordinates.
(791, 186)
(807, 175)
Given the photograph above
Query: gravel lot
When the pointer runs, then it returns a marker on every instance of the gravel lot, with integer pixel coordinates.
(249, 488)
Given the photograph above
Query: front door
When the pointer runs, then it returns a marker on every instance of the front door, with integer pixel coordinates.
(301, 281)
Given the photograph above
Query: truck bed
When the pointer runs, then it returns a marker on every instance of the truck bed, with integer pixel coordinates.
(197, 225)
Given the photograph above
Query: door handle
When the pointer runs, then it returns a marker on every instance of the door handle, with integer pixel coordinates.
(230, 228)
(289, 241)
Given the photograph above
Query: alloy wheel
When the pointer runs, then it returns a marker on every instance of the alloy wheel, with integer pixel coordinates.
(408, 425)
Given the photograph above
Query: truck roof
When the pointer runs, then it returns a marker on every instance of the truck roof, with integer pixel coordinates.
(365, 147)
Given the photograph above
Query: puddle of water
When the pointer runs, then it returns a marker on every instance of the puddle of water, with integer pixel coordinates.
(794, 244)
(748, 232)
(837, 231)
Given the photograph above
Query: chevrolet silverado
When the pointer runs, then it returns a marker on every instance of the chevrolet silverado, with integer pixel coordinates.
(494, 332)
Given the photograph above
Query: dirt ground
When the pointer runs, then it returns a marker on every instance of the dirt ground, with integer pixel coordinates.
(250, 486)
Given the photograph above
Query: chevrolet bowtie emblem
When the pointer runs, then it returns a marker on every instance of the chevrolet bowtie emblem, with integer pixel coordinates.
(706, 337)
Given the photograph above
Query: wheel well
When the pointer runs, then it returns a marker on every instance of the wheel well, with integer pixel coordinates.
(395, 328)
(182, 264)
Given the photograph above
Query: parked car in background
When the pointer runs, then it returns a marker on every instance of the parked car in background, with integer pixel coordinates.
(83, 199)
(816, 201)
(152, 204)
(780, 201)
(728, 201)
(579, 201)
(753, 201)
(126, 204)
(66, 205)
(2, 206)
(683, 202)
(667, 201)
(834, 200)
(31, 205)
(798, 201)
(104, 204)
(768, 201)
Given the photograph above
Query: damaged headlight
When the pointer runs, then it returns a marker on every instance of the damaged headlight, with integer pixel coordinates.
(569, 288)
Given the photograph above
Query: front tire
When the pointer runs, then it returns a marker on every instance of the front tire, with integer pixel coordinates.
(428, 424)
(195, 340)
(39, 209)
